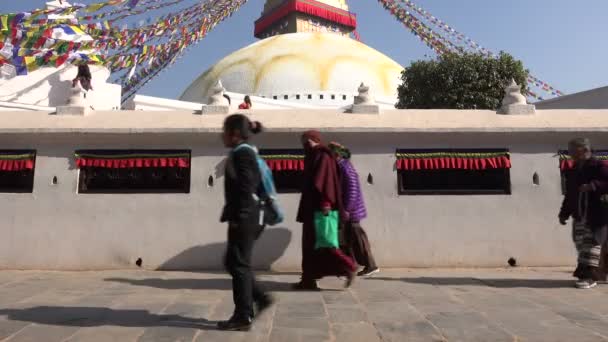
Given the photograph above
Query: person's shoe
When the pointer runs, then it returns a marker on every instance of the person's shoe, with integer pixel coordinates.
(305, 286)
(235, 324)
(366, 272)
(586, 284)
(263, 304)
(350, 279)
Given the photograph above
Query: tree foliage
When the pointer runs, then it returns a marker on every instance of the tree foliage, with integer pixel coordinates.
(460, 81)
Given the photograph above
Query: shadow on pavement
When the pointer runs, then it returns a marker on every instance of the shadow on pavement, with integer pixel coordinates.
(197, 284)
(498, 283)
(100, 316)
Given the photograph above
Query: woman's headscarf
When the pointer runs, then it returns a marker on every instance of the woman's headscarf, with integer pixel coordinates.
(312, 135)
(339, 149)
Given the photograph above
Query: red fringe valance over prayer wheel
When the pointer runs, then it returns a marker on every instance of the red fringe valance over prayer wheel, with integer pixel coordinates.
(438, 160)
(17, 160)
(284, 160)
(135, 159)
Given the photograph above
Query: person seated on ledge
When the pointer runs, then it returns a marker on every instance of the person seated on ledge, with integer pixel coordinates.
(84, 77)
(246, 103)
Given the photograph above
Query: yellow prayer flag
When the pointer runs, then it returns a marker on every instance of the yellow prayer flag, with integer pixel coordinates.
(77, 30)
(95, 7)
(4, 22)
(30, 63)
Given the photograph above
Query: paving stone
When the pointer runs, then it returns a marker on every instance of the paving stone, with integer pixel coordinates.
(414, 331)
(379, 296)
(355, 332)
(304, 323)
(230, 336)
(335, 297)
(298, 335)
(301, 310)
(106, 334)
(46, 333)
(534, 325)
(168, 334)
(468, 327)
(346, 314)
(8, 327)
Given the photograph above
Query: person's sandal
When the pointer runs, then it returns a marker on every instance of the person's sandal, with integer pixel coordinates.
(366, 272)
(235, 324)
(586, 284)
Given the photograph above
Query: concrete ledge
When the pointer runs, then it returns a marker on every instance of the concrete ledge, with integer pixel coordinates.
(72, 110)
(365, 109)
(517, 109)
(211, 109)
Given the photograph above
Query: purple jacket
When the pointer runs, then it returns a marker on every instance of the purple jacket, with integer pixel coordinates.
(352, 197)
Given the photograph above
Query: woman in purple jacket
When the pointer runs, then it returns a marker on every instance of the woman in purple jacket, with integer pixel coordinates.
(354, 212)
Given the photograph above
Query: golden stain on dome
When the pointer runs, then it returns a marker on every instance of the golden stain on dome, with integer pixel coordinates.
(300, 62)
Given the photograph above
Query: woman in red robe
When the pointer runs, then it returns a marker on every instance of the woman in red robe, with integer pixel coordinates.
(320, 192)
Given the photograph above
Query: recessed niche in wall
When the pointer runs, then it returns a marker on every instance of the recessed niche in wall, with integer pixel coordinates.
(133, 171)
(333, 97)
(298, 97)
(370, 179)
(343, 97)
(274, 97)
(535, 179)
(286, 97)
(210, 181)
(454, 172)
(309, 97)
(17, 171)
(54, 180)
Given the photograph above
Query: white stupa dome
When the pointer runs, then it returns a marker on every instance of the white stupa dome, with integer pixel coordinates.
(300, 63)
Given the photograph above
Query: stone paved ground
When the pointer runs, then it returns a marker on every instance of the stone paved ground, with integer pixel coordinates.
(397, 305)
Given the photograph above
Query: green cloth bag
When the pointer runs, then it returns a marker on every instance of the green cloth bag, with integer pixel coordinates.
(326, 230)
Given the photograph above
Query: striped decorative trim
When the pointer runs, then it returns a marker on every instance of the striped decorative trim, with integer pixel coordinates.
(15, 161)
(451, 155)
(430, 160)
(136, 159)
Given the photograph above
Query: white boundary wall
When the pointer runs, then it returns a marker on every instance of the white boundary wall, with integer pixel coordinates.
(57, 228)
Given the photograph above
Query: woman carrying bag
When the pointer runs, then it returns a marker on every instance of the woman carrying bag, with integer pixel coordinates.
(242, 213)
(320, 206)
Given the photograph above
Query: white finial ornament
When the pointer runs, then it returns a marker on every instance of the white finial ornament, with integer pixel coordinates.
(364, 97)
(514, 103)
(218, 103)
(513, 95)
(217, 95)
(364, 103)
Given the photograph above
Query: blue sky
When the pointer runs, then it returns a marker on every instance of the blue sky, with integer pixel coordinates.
(563, 42)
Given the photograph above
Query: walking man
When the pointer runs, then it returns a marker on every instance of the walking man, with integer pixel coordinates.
(584, 201)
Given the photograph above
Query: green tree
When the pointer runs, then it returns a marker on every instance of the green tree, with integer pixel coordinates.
(460, 81)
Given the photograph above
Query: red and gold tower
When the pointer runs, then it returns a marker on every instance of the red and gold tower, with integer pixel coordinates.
(291, 16)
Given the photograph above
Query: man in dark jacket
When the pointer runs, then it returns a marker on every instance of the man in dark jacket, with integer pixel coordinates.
(586, 188)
